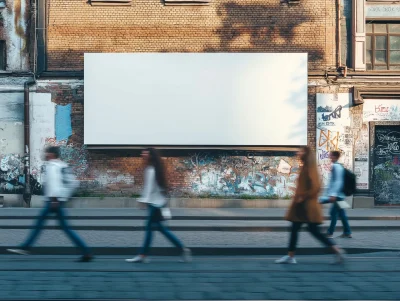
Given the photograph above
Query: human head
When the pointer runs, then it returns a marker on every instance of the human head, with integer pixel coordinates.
(304, 153)
(52, 152)
(334, 156)
(153, 158)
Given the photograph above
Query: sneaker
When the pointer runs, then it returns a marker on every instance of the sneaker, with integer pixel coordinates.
(19, 251)
(85, 258)
(186, 255)
(329, 235)
(345, 236)
(286, 259)
(138, 259)
(340, 257)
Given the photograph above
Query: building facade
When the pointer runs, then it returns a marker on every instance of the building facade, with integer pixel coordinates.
(353, 86)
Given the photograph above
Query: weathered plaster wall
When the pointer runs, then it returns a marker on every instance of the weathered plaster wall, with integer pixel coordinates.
(15, 33)
(58, 120)
(11, 141)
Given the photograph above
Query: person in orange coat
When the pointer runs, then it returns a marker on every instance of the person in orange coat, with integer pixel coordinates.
(305, 207)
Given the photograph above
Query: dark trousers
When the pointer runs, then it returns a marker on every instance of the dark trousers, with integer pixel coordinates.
(154, 222)
(59, 211)
(313, 229)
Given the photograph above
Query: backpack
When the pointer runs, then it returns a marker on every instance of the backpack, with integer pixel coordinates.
(349, 183)
(70, 183)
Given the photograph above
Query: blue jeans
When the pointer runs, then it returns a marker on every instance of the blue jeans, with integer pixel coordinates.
(60, 214)
(154, 222)
(335, 212)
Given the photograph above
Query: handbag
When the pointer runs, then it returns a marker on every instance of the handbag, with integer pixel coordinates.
(166, 213)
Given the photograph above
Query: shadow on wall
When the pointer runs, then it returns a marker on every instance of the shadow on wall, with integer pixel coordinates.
(245, 28)
(271, 28)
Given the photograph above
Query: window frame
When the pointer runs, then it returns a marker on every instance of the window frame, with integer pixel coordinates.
(373, 50)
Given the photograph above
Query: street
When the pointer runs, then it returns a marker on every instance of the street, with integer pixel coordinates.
(363, 277)
(234, 252)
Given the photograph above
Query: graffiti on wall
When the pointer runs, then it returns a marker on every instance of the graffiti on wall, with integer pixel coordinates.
(221, 174)
(361, 156)
(381, 110)
(11, 142)
(333, 131)
(387, 165)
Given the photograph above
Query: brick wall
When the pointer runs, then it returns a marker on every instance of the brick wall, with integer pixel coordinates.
(76, 27)
(190, 173)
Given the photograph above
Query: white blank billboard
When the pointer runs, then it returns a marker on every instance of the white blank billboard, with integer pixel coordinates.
(196, 99)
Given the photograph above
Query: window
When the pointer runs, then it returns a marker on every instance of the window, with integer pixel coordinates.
(383, 46)
(2, 55)
(110, 2)
(187, 2)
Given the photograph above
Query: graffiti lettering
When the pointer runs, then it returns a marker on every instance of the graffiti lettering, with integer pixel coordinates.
(329, 140)
(390, 137)
(337, 113)
(381, 109)
(323, 154)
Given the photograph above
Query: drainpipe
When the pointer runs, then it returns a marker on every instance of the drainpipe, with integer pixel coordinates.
(341, 68)
(27, 189)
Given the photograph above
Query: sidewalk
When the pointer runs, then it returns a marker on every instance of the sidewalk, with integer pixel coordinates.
(207, 231)
(373, 277)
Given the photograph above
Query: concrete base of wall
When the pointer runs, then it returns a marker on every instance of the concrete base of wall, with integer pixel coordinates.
(174, 203)
(15, 200)
(12, 200)
(363, 202)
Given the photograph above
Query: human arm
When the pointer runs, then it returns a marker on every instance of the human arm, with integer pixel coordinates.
(149, 179)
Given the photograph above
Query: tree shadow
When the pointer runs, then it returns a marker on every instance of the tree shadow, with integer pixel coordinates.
(265, 28)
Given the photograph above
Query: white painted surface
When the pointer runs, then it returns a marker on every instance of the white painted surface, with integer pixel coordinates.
(383, 10)
(381, 110)
(335, 133)
(196, 99)
(11, 123)
(15, 29)
(42, 118)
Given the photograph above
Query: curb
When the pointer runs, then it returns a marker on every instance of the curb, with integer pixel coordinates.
(369, 228)
(197, 218)
(197, 251)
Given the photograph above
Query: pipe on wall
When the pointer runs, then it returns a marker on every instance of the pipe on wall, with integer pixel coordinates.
(27, 195)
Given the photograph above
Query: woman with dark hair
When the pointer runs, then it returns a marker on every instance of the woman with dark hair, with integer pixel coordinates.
(154, 196)
(305, 207)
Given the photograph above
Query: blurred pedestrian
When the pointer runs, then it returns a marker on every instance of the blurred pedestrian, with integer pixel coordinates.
(59, 184)
(335, 194)
(306, 209)
(154, 197)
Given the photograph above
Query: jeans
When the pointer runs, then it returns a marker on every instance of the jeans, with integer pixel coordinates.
(313, 229)
(154, 222)
(335, 211)
(60, 214)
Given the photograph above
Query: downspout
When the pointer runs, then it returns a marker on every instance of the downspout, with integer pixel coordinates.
(341, 68)
(27, 195)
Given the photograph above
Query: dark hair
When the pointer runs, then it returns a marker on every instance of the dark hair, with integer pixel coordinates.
(156, 161)
(336, 154)
(55, 150)
(309, 175)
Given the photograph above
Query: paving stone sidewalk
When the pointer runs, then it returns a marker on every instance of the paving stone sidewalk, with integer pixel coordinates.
(373, 277)
(125, 239)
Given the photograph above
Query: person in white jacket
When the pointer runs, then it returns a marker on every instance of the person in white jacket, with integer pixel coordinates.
(56, 194)
(155, 187)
